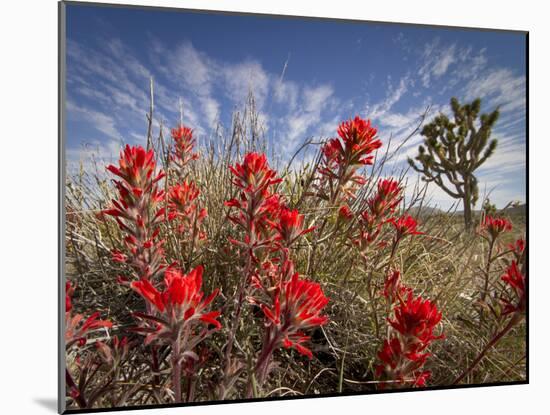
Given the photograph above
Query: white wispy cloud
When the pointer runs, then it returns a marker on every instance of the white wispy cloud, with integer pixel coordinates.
(202, 79)
(242, 78)
(286, 92)
(206, 85)
(313, 101)
(92, 156)
(194, 69)
(112, 70)
(509, 156)
(98, 120)
(393, 95)
(470, 63)
(437, 59)
(501, 87)
(315, 98)
(194, 72)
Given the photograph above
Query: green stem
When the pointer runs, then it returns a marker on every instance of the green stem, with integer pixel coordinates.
(513, 321)
(176, 369)
(488, 270)
(80, 399)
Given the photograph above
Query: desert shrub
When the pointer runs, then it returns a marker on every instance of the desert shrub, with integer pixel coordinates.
(208, 274)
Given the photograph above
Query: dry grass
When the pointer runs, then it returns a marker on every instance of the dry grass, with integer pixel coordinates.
(445, 264)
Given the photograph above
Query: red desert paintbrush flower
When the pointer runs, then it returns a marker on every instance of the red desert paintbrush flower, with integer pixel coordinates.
(332, 150)
(393, 288)
(296, 308)
(183, 149)
(182, 133)
(343, 156)
(136, 167)
(518, 249)
(256, 215)
(359, 138)
(181, 319)
(183, 207)
(405, 225)
(368, 231)
(403, 353)
(386, 199)
(182, 298)
(345, 212)
(402, 371)
(290, 226)
(258, 207)
(254, 173)
(304, 302)
(181, 198)
(416, 317)
(516, 281)
(495, 226)
(138, 211)
(76, 327)
(378, 208)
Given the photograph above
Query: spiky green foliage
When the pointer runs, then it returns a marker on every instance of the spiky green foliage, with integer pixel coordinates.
(489, 209)
(454, 149)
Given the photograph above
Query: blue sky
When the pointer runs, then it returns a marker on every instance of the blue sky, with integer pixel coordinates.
(307, 76)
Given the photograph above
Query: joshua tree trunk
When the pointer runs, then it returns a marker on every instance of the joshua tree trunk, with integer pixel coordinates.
(467, 202)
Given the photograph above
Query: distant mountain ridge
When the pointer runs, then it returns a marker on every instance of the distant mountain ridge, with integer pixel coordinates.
(517, 210)
(520, 209)
(425, 210)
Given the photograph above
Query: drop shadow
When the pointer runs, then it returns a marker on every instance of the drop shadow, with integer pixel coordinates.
(48, 403)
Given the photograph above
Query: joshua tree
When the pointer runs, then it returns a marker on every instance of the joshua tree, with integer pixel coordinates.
(453, 150)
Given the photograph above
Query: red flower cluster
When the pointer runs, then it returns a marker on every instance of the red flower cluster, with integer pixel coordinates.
(386, 199)
(515, 279)
(138, 212)
(136, 168)
(183, 146)
(405, 225)
(343, 156)
(258, 207)
(254, 174)
(393, 288)
(290, 304)
(115, 352)
(257, 210)
(182, 207)
(359, 140)
(404, 353)
(345, 212)
(417, 318)
(297, 307)
(180, 200)
(180, 305)
(518, 248)
(290, 226)
(379, 207)
(495, 226)
(76, 327)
